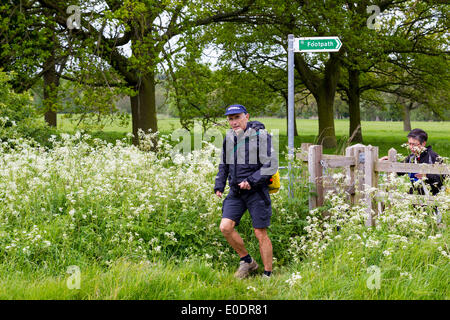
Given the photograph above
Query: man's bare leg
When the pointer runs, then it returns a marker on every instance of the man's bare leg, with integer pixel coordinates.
(233, 237)
(265, 248)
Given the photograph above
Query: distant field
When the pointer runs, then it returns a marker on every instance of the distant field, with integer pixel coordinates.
(385, 135)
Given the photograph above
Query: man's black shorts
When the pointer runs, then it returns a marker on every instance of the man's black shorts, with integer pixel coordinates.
(236, 203)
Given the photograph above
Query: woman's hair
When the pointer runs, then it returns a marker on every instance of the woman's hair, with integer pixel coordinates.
(418, 134)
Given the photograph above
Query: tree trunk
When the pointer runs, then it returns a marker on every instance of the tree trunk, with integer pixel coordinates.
(325, 103)
(327, 135)
(134, 101)
(51, 84)
(143, 107)
(355, 130)
(407, 116)
(323, 90)
(295, 125)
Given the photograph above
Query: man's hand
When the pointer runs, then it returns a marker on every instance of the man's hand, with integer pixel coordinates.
(219, 194)
(420, 175)
(244, 185)
(385, 158)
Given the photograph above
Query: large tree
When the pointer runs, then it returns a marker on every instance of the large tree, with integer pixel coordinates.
(32, 48)
(134, 37)
(404, 58)
(264, 36)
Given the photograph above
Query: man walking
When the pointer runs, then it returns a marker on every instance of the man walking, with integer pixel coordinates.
(248, 162)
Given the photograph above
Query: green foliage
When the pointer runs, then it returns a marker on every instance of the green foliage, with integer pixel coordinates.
(93, 107)
(14, 106)
(201, 94)
(18, 116)
(25, 42)
(404, 54)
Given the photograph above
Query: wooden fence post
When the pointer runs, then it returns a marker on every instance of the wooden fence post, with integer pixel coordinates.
(305, 149)
(357, 171)
(370, 181)
(350, 175)
(305, 146)
(315, 176)
(392, 155)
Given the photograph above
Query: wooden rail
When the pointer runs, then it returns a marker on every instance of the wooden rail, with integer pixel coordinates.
(411, 167)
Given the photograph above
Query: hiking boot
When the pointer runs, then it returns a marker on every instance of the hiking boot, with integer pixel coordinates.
(245, 268)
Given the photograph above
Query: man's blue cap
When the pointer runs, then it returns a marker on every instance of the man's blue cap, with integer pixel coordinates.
(235, 108)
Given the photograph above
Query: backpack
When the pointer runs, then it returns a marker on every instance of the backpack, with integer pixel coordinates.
(275, 183)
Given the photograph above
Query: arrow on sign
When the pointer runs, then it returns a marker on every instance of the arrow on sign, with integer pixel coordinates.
(317, 44)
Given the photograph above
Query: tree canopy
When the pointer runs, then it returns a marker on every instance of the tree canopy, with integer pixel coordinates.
(398, 47)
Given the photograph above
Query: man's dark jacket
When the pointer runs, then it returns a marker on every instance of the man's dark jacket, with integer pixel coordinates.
(434, 180)
(236, 170)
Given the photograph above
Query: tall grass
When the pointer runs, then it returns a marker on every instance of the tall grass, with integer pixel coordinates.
(409, 274)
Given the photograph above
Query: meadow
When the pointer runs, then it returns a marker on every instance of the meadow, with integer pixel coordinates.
(142, 224)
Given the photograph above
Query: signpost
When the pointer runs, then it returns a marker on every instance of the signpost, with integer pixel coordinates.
(309, 44)
(317, 44)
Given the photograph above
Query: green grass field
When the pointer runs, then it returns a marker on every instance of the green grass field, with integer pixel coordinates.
(385, 135)
(337, 278)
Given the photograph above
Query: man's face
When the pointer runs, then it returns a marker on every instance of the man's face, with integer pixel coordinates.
(238, 121)
(415, 145)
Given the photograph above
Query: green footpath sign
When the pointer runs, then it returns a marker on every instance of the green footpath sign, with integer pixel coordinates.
(317, 44)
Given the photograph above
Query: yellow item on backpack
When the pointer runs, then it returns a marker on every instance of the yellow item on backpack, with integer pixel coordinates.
(275, 184)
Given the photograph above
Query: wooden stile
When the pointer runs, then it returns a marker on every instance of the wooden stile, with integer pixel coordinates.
(362, 169)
